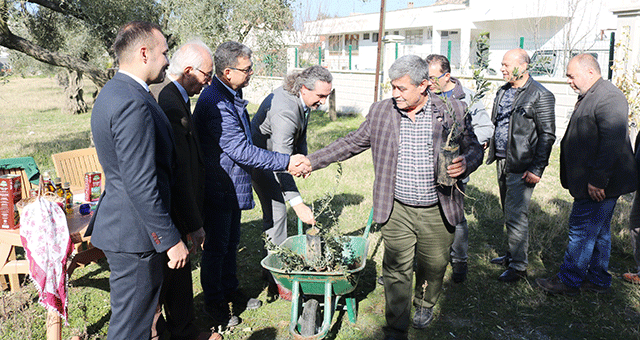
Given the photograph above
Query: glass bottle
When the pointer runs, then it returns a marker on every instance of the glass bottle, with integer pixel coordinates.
(58, 185)
(68, 199)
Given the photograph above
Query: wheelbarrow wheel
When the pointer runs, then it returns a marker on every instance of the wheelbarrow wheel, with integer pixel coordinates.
(308, 318)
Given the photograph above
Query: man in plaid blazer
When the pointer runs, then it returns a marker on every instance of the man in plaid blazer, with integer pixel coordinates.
(405, 134)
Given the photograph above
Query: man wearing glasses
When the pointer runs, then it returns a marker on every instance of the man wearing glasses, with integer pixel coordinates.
(443, 84)
(190, 69)
(222, 124)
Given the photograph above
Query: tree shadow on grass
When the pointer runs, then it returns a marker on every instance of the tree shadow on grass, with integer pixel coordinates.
(89, 279)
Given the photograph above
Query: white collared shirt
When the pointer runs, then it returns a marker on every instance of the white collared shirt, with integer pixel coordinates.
(138, 80)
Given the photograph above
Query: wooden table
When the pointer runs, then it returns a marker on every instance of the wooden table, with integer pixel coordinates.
(10, 266)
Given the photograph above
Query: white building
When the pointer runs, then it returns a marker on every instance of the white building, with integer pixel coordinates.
(556, 29)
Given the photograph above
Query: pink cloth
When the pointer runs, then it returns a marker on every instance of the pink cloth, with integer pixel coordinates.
(45, 237)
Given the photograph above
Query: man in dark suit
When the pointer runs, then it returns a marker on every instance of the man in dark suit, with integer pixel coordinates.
(190, 69)
(597, 166)
(135, 147)
(281, 125)
(223, 126)
(419, 216)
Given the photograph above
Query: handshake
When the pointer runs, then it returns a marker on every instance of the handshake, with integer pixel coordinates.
(299, 165)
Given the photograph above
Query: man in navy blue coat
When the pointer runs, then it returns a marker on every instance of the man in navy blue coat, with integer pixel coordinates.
(135, 147)
(222, 123)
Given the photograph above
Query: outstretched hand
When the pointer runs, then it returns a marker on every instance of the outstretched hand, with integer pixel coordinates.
(304, 213)
(299, 165)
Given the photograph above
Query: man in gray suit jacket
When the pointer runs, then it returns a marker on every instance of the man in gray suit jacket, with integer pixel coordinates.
(135, 147)
(597, 166)
(281, 125)
(405, 134)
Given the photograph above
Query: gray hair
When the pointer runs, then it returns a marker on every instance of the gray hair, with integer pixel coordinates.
(190, 54)
(227, 55)
(412, 65)
(307, 78)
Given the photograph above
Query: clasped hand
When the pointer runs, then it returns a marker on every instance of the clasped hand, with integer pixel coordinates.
(299, 165)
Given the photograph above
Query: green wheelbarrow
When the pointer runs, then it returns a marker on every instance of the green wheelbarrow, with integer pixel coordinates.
(333, 285)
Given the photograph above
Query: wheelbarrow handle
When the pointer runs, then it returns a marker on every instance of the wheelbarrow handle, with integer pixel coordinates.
(366, 230)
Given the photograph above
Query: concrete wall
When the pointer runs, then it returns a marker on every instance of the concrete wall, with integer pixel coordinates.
(354, 90)
(565, 99)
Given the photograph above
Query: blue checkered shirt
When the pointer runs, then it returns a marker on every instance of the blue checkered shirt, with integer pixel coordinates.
(415, 179)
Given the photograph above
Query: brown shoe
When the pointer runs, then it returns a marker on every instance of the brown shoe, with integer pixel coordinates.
(555, 286)
(631, 278)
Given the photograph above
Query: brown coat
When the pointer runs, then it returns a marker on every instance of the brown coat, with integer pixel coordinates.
(381, 132)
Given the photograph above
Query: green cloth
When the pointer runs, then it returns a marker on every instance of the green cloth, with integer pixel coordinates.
(28, 164)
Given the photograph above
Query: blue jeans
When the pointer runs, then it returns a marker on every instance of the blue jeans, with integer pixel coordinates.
(589, 248)
(218, 268)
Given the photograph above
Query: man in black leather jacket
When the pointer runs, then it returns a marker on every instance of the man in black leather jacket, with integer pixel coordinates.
(524, 119)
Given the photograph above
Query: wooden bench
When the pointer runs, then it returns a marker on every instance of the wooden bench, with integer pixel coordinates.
(72, 165)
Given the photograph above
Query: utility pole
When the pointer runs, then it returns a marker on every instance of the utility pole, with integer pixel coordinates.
(379, 57)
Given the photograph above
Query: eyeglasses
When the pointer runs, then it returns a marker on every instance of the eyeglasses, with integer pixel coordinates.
(245, 70)
(434, 79)
(207, 76)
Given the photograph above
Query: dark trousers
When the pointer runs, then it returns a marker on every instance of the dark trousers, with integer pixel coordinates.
(412, 233)
(634, 228)
(218, 268)
(176, 296)
(135, 282)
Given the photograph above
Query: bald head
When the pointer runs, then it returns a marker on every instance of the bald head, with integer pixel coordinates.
(582, 72)
(521, 55)
(515, 65)
(587, 61)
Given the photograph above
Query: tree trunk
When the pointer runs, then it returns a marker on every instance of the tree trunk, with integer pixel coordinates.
(333, 114)
(72, 83)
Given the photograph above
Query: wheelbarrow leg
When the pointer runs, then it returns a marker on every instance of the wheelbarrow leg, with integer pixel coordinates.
(295, 307)
(351, 309)
(328, 308)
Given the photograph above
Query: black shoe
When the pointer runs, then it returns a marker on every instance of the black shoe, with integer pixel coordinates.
(512, 275)
(422, 318)
(459, 272)
(221, 315)
(240, 299)
(380, 280)
(555, 286)
(593, 288)
(502, 260)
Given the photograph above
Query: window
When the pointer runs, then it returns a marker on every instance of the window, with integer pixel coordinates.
(374, 37)
(365, 36)
(334, 43)
(543, 63)
(413, 37)
(396, 32)
(353, 40)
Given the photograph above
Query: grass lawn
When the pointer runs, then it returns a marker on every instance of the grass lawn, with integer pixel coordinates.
(481, 308)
